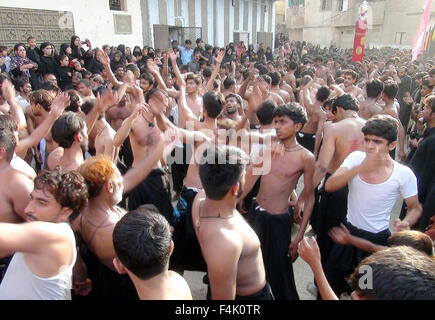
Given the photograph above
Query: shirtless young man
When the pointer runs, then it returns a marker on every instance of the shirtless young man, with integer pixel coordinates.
(194, 100)
(230, 247)
(85, 89)
(310, 135)
(276, 79)
(16, 187)
(145, 258)
(70, 133)
(187, 254)
(350, 78)
(44, 248)
(154, 189)
(40, 102)
(270, 215)
(290, 75)
(102, 135)
(340, 139)
(283, 85)
(233, 104)
(96, 223)
(369, 108)
(389, 94)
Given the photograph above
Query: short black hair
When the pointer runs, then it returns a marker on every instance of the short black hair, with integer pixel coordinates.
(213, 103)
(345, 101)
(147, 77)
(323, 94)
(142, 242)
(66, 127)
(384, 126)
(391, 89)
(398, 273)
(221, 167)
(152, 91)
(8, 143)
(374, 88)
(228, 82)
(275, 77)
(207, 72)
(292, 110)
(292, 65)
(265, 112)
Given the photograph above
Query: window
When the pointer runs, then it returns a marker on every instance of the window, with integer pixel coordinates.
(296, 3)
(343, 5)
(325, 5)
(117, 5)
(400, 37)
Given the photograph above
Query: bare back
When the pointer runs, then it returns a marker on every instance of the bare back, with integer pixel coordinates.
(368, 109)
(235, 231)
(348, 138)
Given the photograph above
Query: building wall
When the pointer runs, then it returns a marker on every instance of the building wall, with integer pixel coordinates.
(218, 19)
(92, 19)
(386, 19)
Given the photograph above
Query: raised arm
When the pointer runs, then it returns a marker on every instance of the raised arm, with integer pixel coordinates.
(108, 99)
(185, 114)
(8, 92)
(125, 129)
(105, 61)
(215, 72)
(57, 107)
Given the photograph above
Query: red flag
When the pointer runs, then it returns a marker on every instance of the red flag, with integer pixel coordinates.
(419, 39)
(360, 39)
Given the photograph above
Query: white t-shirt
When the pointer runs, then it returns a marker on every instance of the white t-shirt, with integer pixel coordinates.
(20, 283)
(369, 206)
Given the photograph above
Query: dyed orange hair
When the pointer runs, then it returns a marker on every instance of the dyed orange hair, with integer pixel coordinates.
(97, 171)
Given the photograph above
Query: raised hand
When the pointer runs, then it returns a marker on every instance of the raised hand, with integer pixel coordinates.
(103, 57)
(172, 55)
(152, 66)
(59, 104)
(108, 99)
(8, 90)
(220, 56)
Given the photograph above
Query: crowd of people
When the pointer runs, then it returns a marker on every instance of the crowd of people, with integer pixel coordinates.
(121, 169)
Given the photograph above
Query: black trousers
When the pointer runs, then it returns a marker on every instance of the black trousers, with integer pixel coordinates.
(332, 210)
(343, 260)
(274, 232)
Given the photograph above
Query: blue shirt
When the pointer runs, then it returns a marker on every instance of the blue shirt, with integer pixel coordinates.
(186, 55)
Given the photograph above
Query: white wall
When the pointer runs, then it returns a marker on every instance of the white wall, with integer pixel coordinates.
(92, 19)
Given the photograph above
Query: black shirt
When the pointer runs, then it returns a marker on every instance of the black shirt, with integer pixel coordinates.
(423, 165)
